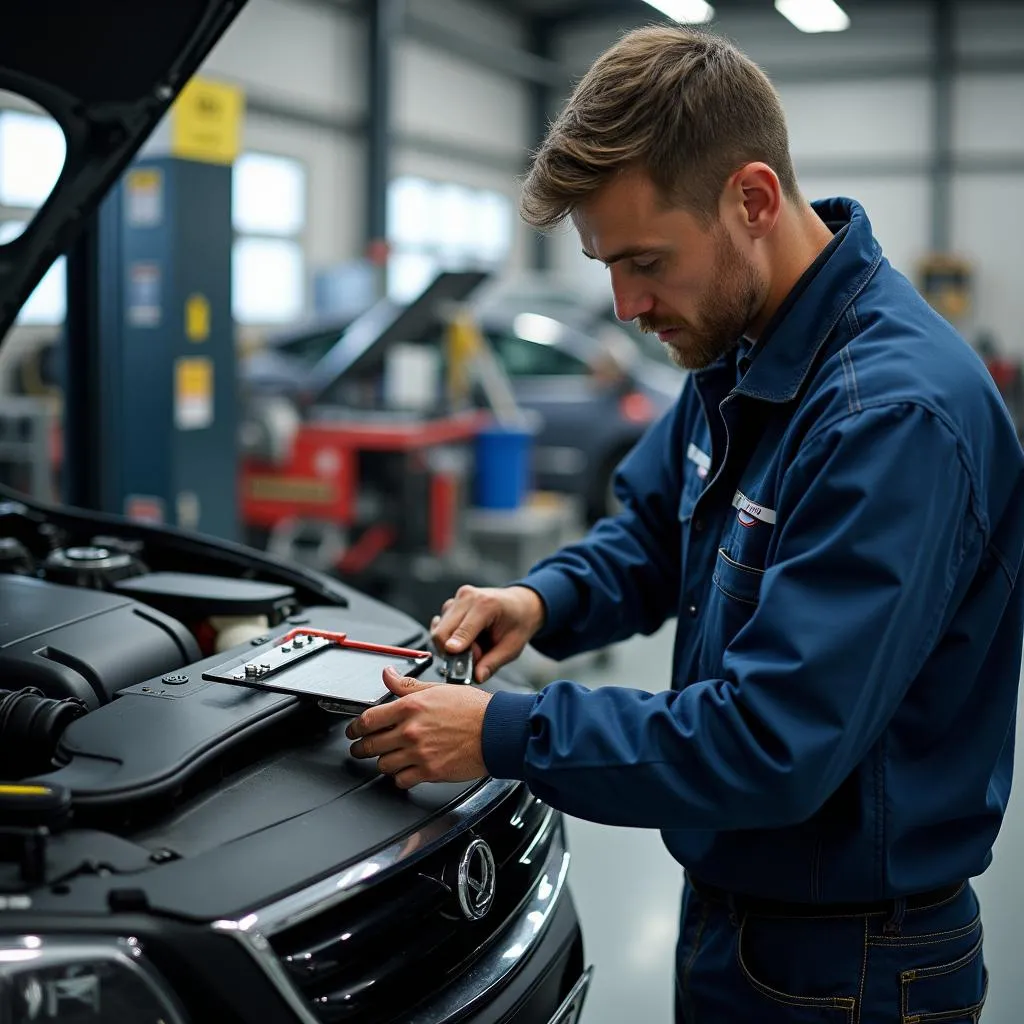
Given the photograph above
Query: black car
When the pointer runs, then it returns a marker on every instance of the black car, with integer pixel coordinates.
(179, 849)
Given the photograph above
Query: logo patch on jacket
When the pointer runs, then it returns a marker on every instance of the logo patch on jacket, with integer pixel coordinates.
(749, 513)
(700, 459)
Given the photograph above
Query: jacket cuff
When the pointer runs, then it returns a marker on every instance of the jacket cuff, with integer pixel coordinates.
(560, 597)
(506, 733)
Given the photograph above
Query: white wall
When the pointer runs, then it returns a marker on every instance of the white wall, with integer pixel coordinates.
(988, 209)
(291, 55)
(444, 99)
(308, 58)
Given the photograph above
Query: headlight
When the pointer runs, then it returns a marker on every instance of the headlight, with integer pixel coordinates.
(81, 981)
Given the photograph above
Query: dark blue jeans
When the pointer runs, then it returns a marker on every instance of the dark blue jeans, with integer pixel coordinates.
(904, 966)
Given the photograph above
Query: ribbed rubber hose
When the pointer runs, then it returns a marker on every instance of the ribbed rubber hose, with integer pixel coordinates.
(31, 726)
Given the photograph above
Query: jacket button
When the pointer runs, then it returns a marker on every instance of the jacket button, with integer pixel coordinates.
(698, 525)
(692, 611)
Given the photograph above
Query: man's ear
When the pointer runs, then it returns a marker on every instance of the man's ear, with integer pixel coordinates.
(753, 195)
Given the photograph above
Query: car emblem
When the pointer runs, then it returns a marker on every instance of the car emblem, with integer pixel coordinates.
(477, 880)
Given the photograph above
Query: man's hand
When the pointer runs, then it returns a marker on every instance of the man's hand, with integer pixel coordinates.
(497, 622)
(431, 734)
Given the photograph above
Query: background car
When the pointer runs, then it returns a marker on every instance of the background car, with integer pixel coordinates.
(591, 386)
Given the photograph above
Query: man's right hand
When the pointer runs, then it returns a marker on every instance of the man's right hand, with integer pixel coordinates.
(497, 622)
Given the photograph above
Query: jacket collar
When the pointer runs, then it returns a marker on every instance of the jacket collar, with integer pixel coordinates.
(781, 364)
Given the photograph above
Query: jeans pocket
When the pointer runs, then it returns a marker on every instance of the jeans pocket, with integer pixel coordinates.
(950, 991)
(801, 1009)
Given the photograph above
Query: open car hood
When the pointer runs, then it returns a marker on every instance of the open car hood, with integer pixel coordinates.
(107, 72)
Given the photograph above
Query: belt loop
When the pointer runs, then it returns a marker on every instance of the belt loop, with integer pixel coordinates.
(894, 926)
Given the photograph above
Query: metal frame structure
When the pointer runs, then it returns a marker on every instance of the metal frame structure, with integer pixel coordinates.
(547, 80)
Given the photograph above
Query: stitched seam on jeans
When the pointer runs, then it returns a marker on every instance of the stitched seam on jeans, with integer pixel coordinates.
(828, 1002)
(935, 1018)
(863, 974)
(941, 970)
(926, 939)
(912, 945)
(927, 1018)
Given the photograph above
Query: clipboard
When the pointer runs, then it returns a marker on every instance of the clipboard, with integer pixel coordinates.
(343, 675)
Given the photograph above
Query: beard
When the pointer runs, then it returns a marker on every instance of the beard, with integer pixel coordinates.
(723, 312)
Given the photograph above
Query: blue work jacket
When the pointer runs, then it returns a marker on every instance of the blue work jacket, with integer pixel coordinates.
(836, 519)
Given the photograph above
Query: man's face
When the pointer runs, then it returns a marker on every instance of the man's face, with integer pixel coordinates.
(687, 282)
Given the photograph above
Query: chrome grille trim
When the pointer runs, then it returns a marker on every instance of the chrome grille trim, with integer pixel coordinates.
(505, 950)
(504, 953)
(321, 896)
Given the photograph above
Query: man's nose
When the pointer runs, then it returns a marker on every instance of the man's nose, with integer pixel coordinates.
(632, 299)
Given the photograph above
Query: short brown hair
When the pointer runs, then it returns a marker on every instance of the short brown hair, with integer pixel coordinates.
(684, 105)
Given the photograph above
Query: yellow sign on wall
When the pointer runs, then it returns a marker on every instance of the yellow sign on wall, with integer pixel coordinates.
(206, 122)
(193, 393)
(197, 318)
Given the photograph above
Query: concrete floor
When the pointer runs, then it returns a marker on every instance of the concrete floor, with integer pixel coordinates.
(627, 887)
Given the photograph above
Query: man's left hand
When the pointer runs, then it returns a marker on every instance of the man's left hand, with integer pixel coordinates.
(432, 733)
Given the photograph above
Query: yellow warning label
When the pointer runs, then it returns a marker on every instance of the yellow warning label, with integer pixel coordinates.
(144, 192)
(206, 122)
(193, 393)
(197, 318)
(9, 790)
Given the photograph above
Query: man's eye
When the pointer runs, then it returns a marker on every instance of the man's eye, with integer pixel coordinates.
(646, 267)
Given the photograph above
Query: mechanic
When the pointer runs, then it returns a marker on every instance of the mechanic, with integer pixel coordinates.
(834, 512)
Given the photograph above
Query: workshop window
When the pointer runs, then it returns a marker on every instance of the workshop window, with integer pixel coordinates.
(47, 304)
(435, 226)
(32, 150)
(268, 209)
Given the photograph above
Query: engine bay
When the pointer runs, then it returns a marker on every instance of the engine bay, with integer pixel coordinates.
(109, 647)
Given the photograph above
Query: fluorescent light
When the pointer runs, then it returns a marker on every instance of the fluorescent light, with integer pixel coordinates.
(814, 15)
(691, 12)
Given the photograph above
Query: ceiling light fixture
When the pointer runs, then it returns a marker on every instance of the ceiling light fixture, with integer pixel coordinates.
(814, 15)
(690, 12)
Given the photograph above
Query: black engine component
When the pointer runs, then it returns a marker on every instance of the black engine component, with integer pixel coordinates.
(74, 642)
(190, 596)
(15, 557)
(31, 726)
(94, 567)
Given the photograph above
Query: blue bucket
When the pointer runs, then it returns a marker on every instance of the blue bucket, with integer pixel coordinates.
(502, 467)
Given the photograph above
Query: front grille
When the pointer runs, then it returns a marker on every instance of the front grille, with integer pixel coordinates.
(384, 951)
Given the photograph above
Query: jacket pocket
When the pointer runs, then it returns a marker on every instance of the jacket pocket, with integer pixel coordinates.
(951, 991)
(730, 604)
(738, 581)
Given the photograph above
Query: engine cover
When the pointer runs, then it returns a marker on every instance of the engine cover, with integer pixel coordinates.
(73, 642)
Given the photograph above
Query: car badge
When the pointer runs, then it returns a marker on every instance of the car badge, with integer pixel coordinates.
(477, 880)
